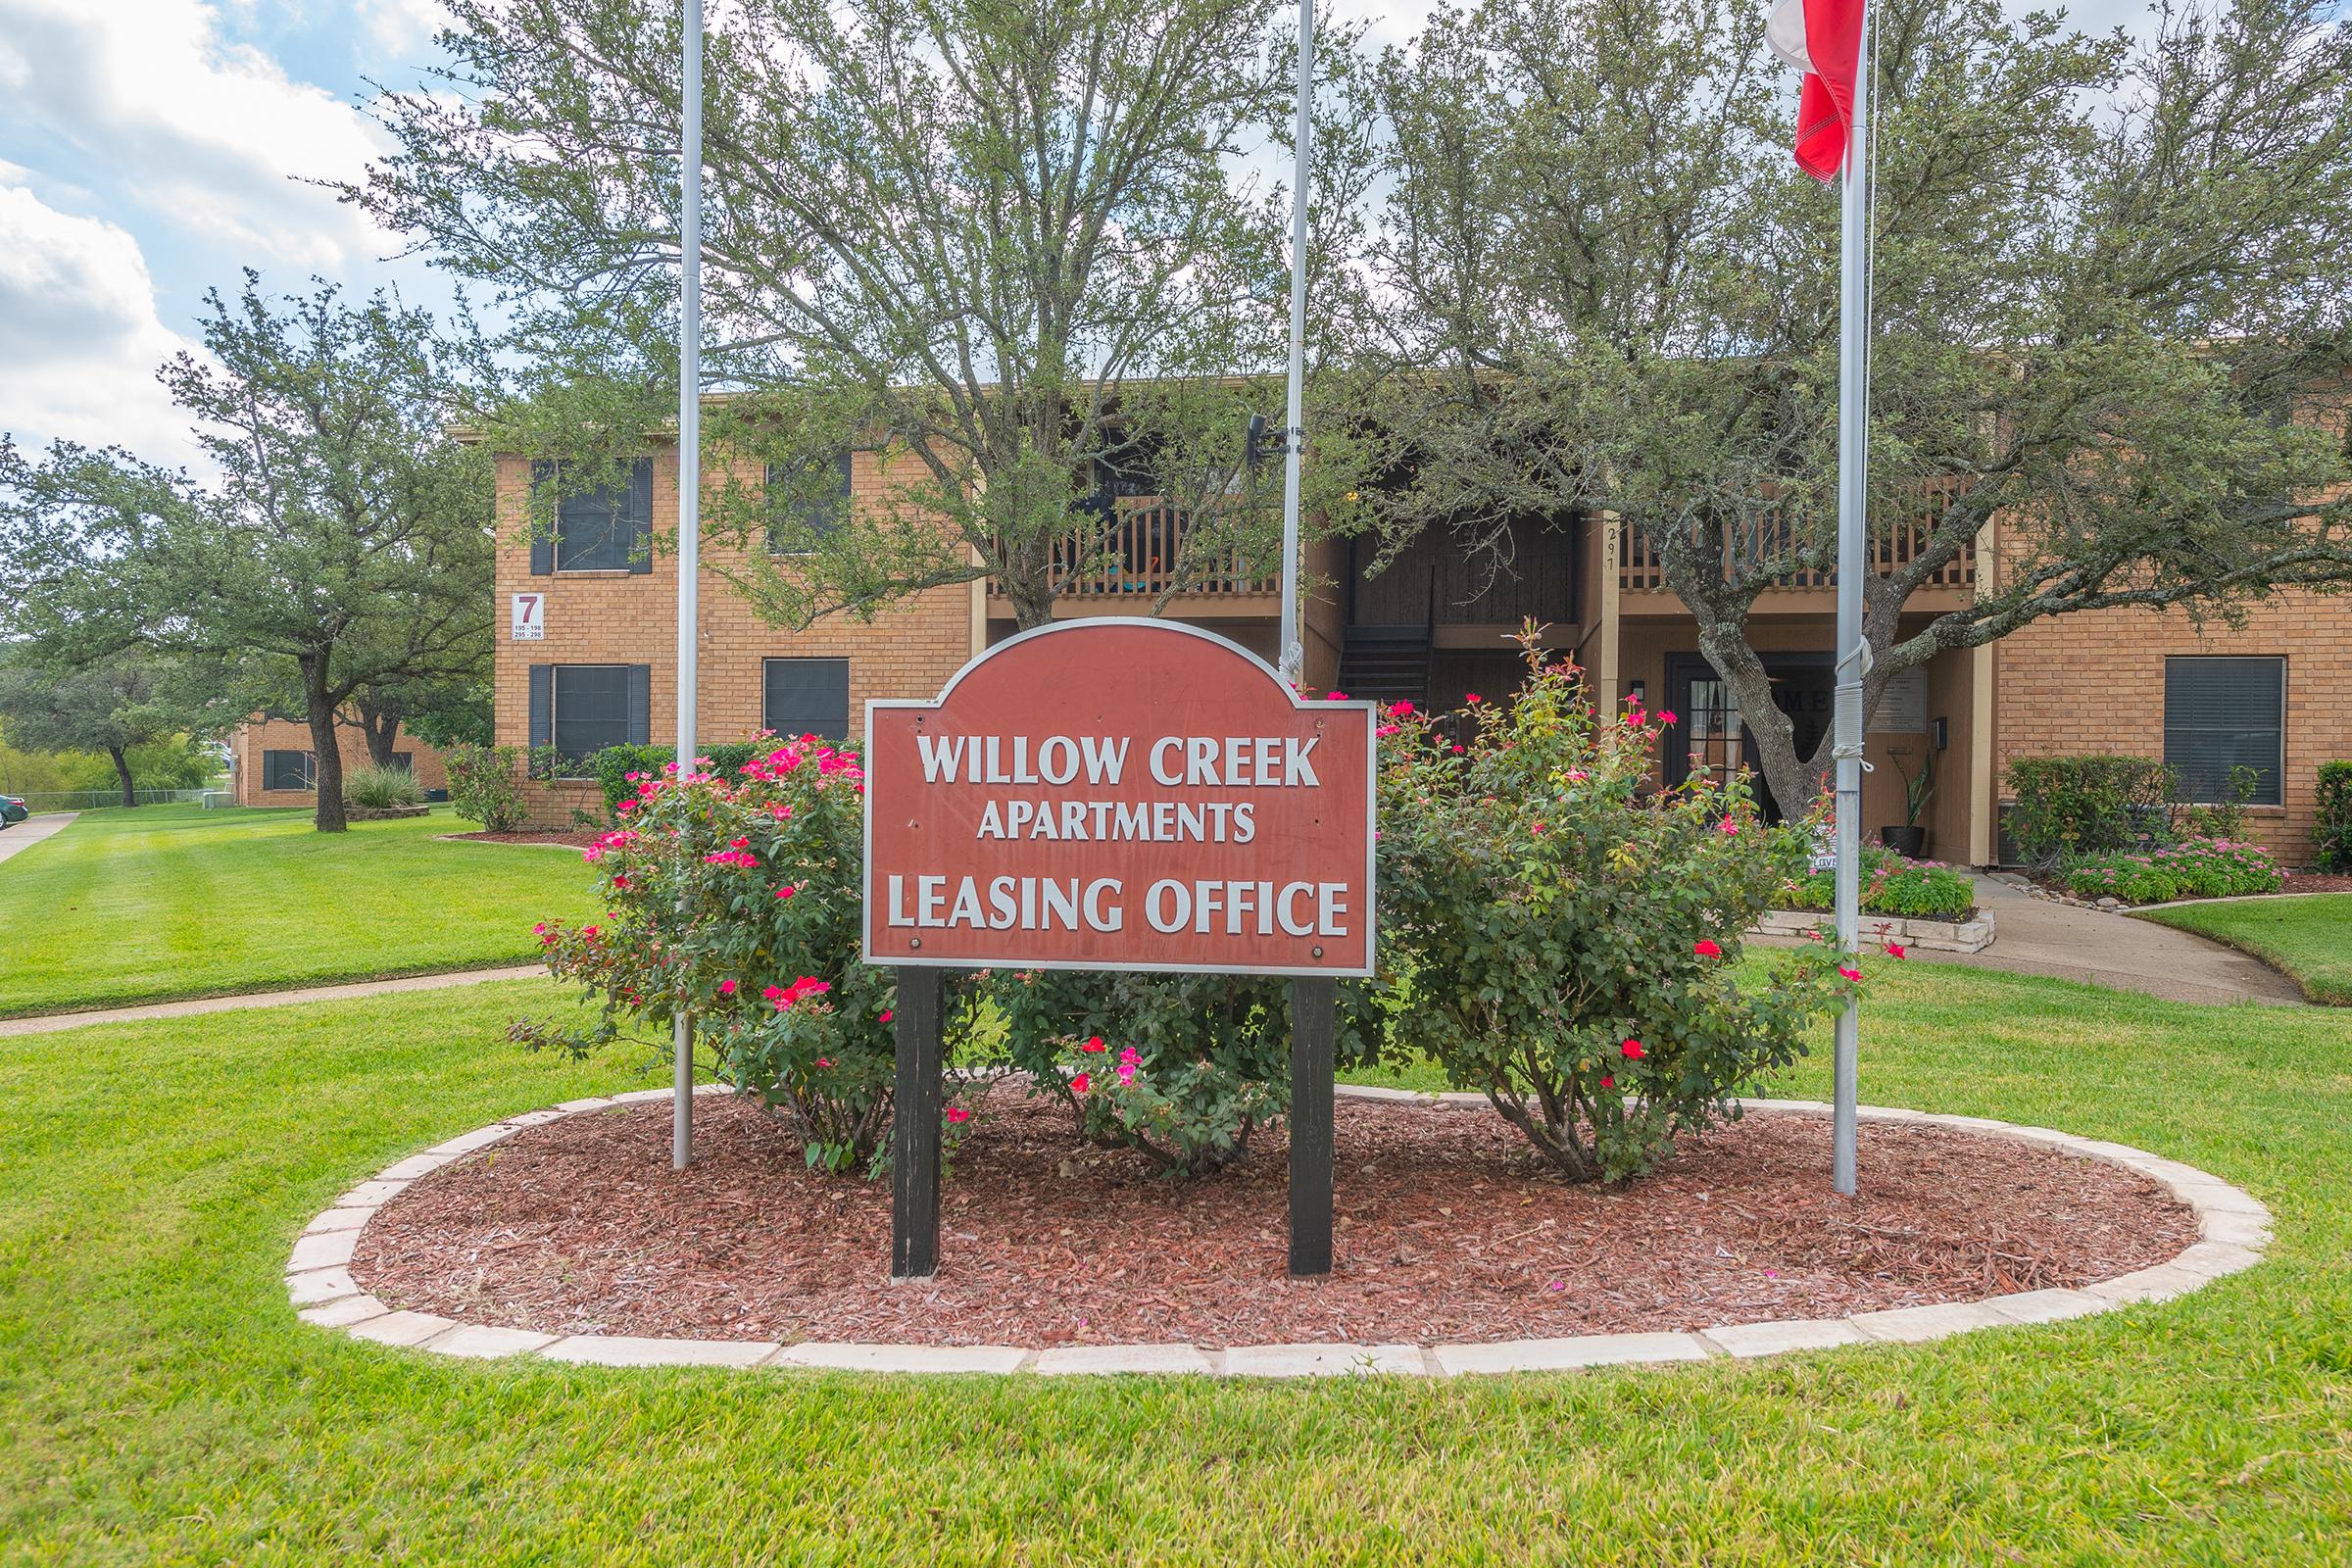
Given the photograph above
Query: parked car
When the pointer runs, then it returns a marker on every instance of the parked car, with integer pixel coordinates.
(12, 810)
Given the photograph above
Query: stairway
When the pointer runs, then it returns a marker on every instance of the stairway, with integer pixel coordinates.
(1387, 663)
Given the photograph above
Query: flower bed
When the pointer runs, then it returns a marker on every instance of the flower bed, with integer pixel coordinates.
(1892, 885)
(578, 1226)
(2194, 868)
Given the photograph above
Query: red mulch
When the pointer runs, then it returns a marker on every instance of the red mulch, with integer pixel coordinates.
(2317, 882)
(578, 840)
(579, 1226)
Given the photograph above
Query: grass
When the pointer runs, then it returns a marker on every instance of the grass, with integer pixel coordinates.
(159, 1404)
(168, 900)
(2307, 938)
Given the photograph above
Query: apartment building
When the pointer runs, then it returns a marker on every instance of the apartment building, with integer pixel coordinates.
(271, 762)
(589, 624)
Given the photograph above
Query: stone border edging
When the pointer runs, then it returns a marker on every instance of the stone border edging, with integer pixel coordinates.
(2233, 1229)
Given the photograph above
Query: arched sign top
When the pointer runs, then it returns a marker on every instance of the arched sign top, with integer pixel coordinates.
(1120, 794)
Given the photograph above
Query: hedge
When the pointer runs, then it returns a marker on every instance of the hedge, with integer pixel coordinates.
(2331, 834)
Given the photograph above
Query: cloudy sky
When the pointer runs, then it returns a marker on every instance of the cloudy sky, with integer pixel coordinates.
(150, 148)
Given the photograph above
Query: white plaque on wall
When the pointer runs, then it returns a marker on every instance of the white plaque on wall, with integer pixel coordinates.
(1903, 706)
(530, 617)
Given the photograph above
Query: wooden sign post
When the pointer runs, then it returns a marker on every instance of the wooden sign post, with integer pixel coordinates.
(1116, 794)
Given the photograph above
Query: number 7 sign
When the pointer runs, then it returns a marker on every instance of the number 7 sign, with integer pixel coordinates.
(530, 617)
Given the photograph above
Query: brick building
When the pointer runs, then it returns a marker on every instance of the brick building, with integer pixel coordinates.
(271, 762)
(588, 631)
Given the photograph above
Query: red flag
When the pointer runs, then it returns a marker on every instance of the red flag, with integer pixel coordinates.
(1821, 38)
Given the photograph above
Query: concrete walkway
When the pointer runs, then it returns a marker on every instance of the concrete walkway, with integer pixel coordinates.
(51, 1024)
(2034, 936)
(26, 834)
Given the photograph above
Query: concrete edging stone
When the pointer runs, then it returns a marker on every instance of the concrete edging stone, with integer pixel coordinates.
(2235, 1230)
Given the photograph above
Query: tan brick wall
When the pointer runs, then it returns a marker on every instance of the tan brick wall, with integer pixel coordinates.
(251, 739)
(909, 649)
(2094, 682)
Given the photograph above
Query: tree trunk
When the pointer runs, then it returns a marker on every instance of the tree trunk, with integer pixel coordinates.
(121, 763)
(326, 753)
(380, 728)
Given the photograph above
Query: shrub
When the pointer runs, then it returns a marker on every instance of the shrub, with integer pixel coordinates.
(615, 768)
(2086, 805)
(2194, 868)
(2331, 834)
(1181, 1066)
(1916, 890)
(485, 785)
(1566, 947)
(739, 900)
(382, 788)
(2220, 819)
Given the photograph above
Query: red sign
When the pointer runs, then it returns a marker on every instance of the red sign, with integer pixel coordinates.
(1120, 794)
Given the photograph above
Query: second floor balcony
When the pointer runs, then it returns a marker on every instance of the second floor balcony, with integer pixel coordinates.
(1146, 551)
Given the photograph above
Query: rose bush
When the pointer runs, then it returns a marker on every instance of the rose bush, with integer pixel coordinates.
(1181, 1066)
(1564, 944)
(739, 900)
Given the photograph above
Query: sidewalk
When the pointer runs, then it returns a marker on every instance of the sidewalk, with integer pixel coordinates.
(50, 1023)
(2034, 936)
(26, 834)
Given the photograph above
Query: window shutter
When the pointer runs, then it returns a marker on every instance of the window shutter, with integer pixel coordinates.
(641, 706)
(543, 705)
(2224, 712)
(640, 516)
(543, 539)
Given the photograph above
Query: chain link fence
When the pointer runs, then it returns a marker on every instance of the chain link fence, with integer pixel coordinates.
(93, 799)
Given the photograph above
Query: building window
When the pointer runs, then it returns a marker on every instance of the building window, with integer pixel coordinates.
(807, 501)
(289, 771)
(591, 709)
(808, 697)
(2222, 713)
(606, 529)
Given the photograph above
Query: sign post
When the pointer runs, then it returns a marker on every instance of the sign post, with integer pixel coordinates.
(1117, 794)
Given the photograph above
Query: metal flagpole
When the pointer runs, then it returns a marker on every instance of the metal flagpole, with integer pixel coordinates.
(1854, 524)
(1294, 438)
(690, 503)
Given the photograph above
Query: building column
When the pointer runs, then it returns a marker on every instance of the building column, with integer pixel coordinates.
(1983, 794)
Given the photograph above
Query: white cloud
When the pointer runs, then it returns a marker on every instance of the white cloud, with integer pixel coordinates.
(397, 24)
(80, 336)
(211, 133)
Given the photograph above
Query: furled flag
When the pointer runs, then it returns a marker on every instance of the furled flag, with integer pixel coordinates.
(1821, 39)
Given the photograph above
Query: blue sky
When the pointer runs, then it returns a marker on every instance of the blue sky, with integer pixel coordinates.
(150, 148)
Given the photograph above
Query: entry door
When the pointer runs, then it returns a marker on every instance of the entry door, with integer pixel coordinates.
(1709, 730)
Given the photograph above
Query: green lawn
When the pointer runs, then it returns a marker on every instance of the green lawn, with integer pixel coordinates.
(170, 901)
(2307, 938)
(159, 1404)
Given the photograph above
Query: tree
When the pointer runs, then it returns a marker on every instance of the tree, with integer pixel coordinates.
(113, 705)
(2110, 287)
(999, 235)
(345, 547)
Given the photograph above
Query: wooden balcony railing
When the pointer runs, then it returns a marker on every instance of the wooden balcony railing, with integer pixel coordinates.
(1890, 547)
(1148, 551)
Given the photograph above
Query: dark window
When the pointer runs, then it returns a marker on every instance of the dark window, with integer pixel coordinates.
(809, 697)
(807, 501)
(2222, 713)
(605, 529)
(591, 709)
(288, 770)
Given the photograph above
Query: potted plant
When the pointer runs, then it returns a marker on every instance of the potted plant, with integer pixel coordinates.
(1911, 840)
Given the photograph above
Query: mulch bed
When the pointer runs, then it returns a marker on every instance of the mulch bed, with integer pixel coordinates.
(1444, 1234)
(533, 835)
(2317, 882)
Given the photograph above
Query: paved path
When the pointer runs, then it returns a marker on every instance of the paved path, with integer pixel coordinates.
(50, 1023)
(26, 834)
(2034, 936)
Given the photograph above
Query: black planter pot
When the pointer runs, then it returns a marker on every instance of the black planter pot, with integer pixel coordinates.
(1909, 842)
